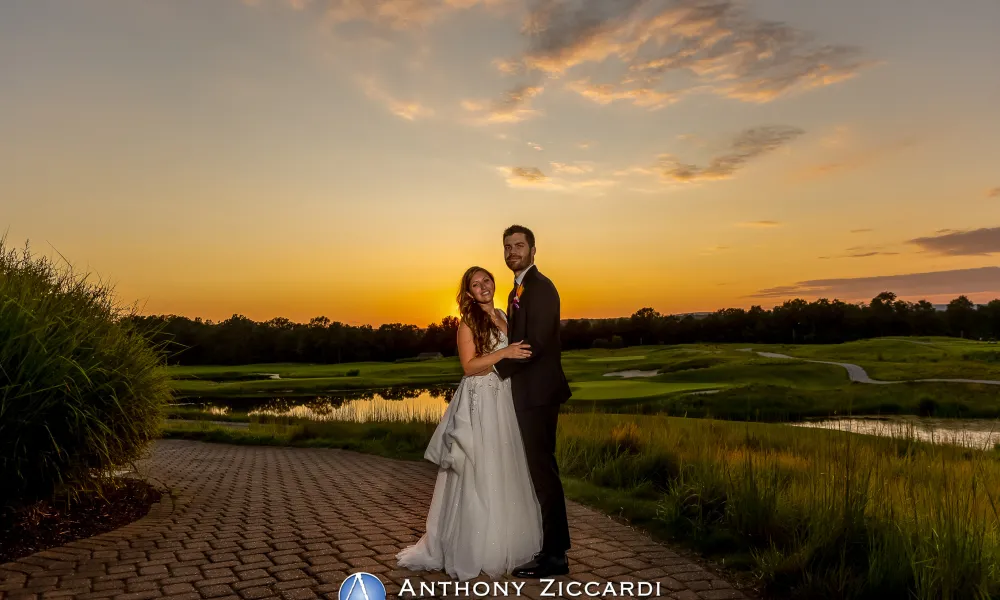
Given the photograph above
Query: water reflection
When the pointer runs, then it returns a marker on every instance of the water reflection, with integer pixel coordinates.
(426, 404)
(973, 433)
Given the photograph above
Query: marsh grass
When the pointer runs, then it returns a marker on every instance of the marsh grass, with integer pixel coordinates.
(823, 514)
(81, 391)
(776, 403)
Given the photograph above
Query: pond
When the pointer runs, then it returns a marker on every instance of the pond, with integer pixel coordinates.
(389, 404)
(974, 433)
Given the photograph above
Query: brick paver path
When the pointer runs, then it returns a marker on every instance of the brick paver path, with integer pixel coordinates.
(251, 522)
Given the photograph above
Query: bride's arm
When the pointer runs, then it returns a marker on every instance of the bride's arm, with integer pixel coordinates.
(481, 365)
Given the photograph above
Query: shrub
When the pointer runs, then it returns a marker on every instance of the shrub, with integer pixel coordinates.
(81, 388)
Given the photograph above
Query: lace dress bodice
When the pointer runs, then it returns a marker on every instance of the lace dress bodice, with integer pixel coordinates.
(499, 341)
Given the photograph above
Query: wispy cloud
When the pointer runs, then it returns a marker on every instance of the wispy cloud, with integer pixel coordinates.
(760, 224)
(404, 109)
(636, 170)
(714, 47)
(513, 107)
(994, 193)
(975, 242)
(748, 145)
(714, 250)
(606, 93)
(838, 137)
(576, 168)
(861, 254)
(526, 176)
(958, 281)
(390, 15)
(852, 159)
(861, 230)
(534, 178)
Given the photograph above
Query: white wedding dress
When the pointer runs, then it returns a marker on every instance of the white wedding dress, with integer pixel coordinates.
(484, 516)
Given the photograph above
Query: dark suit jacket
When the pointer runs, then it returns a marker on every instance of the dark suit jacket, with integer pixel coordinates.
(537, 380)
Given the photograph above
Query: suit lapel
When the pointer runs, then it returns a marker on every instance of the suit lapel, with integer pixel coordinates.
(515, 313)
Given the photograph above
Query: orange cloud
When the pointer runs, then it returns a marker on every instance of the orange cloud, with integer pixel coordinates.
(578, 168)
(513, 107)
(534, 178)
(727, 51)
(391, 14)
(760, 224)
(608, 93)
(528, 175)
(408, 110)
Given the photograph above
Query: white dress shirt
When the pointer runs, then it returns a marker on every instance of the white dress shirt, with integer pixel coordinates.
(520, 277)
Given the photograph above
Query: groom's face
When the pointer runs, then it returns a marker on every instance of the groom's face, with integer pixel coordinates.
(517, 253)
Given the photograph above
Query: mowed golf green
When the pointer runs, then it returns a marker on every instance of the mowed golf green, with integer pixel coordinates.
(617, 358)
(630, 389)
(738, 373)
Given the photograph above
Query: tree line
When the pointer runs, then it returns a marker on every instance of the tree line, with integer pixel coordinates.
(239, 340)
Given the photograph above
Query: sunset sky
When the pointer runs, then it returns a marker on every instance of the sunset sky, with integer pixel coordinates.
(350, 158)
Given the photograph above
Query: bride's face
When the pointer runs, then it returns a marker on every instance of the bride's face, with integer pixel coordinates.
(481, 287)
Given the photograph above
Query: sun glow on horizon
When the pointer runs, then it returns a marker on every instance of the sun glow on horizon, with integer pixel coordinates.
(354, 165)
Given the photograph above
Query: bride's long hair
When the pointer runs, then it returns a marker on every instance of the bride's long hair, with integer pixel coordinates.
(482, 325)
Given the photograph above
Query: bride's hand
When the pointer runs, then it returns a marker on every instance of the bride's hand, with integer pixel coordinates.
(517, 350)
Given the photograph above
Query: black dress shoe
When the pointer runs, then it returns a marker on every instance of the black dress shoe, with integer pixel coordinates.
(543, 565)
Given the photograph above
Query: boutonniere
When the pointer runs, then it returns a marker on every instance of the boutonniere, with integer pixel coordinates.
(517, 296)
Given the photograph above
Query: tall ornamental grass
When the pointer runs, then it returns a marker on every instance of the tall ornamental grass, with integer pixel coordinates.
(81, 389)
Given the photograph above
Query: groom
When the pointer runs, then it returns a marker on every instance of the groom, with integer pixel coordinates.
(539, 386)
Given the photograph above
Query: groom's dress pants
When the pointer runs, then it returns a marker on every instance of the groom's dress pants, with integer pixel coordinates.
(538, 429)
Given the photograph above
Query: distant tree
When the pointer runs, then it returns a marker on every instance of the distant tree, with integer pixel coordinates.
(961, 313)
(991, 319)
(240, 340)
(925, 319)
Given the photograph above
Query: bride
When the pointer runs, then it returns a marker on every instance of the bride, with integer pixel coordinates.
(483, 516)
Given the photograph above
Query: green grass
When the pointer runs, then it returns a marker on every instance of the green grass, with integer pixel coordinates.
(756, 387)
(612, 359)
(302, 379)
(821, 514)
(193, 413)
(807, 513)
(896, 359)
(406, 440)
(765, 371)
(631, 389)
(780, 403)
